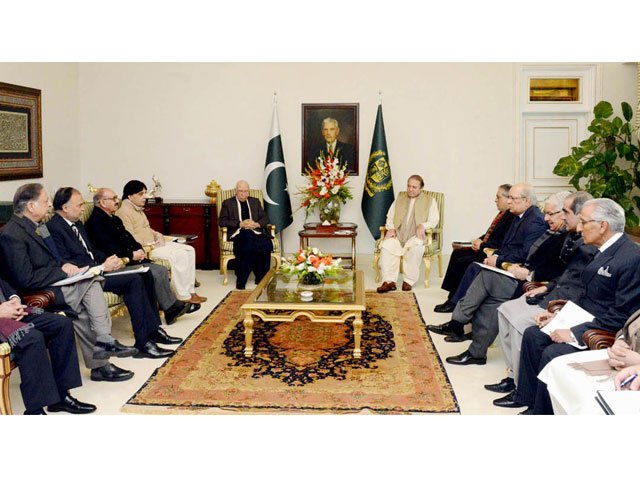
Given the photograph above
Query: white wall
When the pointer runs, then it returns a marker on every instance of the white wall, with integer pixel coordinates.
(454, 123)
(59, 85)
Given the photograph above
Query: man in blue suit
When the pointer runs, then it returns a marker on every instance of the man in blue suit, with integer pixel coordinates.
(611, 294)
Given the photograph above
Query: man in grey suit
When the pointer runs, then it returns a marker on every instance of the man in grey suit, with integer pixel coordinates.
(515, 316)
(611, 294)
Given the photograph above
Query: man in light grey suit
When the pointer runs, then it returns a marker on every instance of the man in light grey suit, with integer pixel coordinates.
(515, 316)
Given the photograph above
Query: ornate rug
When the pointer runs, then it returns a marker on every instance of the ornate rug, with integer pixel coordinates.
(302, 366)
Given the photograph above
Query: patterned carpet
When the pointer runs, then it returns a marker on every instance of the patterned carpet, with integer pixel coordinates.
(302, 367)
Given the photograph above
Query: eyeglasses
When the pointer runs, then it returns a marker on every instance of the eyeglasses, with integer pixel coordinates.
(115, 199)
(584, 222)
(514, 198)
(551, 214)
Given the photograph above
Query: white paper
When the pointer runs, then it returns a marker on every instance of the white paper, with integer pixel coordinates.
(82, 275)
(570, 316)
(496, 269)
(621, 402)
(127, 271)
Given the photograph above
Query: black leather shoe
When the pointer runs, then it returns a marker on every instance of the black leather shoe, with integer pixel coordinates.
(446, 307)
(240, 286)
(528, 411)
(102, 351)
(71, 405)
(35, 411)
(151, 350)
(193, 307)
(110, 373)
(508, 401)
(176, 310)
(458, 338)
(450, 328)
(160, 336)
(465, 358)
(505, 385)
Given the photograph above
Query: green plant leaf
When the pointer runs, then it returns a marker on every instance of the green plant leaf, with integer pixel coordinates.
(566, 166)
(603, 110)
(636, 199)
(617, 124)
(631, 219)
(627, 111)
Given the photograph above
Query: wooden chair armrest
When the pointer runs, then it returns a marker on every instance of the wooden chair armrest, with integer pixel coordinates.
(528, 286)
(40, 299)
(223, 231)
(461, 245)
(597, 339)
(555, 305)
(489, 251)
(5, 348)
(271, 228)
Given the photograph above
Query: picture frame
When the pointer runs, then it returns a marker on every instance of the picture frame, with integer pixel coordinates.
(20, 132)
(315, 137)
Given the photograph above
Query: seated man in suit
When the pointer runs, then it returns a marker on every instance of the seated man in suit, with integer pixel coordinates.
(515, 316)
(44, 348)
(490, 289)
(137, 289)
(182, 257)
(409, 217)
(525, 229)
(462, 258)
(332, 147)
(107, 233)
(611, 294)
(31, 261)
(246, 223)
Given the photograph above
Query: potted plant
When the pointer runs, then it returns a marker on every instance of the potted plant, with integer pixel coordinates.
(607, 163)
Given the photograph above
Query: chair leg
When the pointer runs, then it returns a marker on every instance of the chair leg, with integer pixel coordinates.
(5, 400)
(440, 273)
(223, 270)
(427, 270)
(376, 265)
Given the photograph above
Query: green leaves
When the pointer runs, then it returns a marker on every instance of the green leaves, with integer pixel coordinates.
(603, 110)
(627, 111)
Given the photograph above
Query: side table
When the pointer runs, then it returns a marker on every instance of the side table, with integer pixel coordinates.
(340, 231)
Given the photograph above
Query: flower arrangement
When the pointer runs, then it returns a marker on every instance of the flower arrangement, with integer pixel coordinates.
(326, 187)
(311, 265)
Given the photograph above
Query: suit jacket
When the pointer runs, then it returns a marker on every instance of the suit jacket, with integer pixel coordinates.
(521, 235)
(344, 153)
(109, 235)
(27, 262)
(612, 287)
(230, 217)
(544, 256)
(69, 246)
(499, 232)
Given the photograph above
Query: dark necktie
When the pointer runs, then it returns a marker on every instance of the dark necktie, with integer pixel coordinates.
(244, 210)
(82, 242)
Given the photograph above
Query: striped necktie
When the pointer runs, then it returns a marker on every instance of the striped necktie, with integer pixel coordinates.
(77, 232)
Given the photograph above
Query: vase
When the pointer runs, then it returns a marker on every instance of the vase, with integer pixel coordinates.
(329, 210)
(311, 278)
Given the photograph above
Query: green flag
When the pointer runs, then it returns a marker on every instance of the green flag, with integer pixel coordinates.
(378, 186)
(275, 190)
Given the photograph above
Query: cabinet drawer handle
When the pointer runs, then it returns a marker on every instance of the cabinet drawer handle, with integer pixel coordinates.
(186, 209)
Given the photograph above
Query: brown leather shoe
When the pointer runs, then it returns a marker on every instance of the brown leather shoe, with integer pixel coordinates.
(195, 298)
(386, 287)
(406, 287)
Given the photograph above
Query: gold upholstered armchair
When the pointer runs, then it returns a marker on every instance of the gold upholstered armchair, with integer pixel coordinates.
(226, 246)
(433, 243)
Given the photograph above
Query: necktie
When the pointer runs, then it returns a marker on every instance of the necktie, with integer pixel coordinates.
(77, 232)
(330, 152)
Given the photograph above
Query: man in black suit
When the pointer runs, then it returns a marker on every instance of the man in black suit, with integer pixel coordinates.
(246, 222)
(44, 348)
(463, 257)
(108, 235)
(611, 294)
(137, 289)
(332, 147)
(490, 289)
(525, 229)
(31, 262)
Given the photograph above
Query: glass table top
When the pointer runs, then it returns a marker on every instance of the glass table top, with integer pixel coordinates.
(283, 288)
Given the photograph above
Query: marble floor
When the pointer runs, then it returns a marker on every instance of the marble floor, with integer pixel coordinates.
(467, 381)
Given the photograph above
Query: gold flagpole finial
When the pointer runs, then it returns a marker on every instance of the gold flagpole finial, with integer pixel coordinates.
(380, 97)
(275, 97)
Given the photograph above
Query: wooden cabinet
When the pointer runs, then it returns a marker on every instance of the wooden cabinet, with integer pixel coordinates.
(197, 217)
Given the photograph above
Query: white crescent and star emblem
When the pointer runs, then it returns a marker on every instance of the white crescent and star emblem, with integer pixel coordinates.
(268, 170)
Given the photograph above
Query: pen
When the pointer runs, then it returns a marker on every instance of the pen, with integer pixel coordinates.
(628, 380)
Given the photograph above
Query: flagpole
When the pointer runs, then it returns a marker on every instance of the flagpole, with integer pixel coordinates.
(379, 97)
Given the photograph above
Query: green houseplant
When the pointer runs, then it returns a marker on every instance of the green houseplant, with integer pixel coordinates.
(607, 163)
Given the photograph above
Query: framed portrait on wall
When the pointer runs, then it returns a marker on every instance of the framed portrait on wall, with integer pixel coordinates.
(330, 130)
(20, 132)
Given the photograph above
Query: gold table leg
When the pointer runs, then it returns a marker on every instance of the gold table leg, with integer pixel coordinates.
(248, 334)
(357, 335)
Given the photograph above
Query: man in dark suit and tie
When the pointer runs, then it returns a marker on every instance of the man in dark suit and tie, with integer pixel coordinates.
(137, 289)
(246, 222)
(31, 262)
(44, 348)
(611, 294)
(332, 147)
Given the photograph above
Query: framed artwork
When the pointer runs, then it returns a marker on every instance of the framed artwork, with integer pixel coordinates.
(20, 132)
(330, 130)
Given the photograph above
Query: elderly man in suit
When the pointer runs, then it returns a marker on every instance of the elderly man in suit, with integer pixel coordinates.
(525, 229)
(515, 316)
(137, 289)
(246, 222)
(409, 217)
(108, 234)
(31, 261)
(332, 147)
(44, 348)
(462, 258)
(611, 294)
(490, 288)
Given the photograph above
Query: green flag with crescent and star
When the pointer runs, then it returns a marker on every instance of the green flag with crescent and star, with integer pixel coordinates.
(275, 189)
(378, 186)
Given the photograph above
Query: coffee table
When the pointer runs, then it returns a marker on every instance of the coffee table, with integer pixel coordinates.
(277, 299)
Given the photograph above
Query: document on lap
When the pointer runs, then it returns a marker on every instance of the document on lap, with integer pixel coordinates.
(81, 275)
(496, 269)
(570, 316)
(616, 402)
(127, 271)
